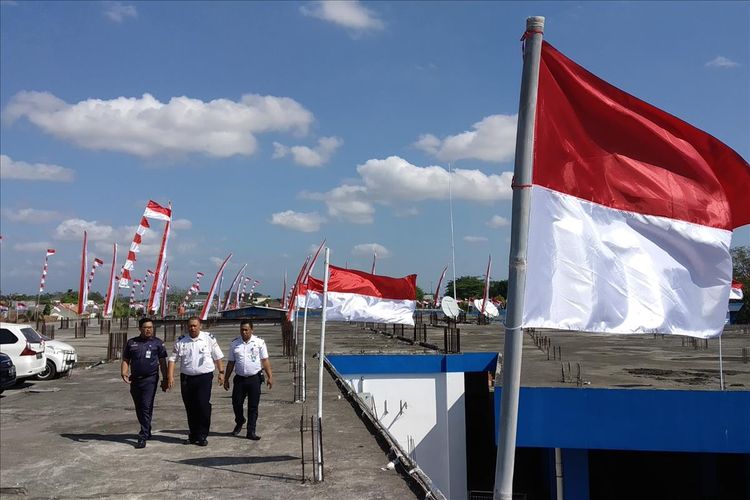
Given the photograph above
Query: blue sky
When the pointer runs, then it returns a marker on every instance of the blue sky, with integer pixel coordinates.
(270, 126)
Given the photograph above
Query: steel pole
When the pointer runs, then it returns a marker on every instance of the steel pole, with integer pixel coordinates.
(517, 262)
(321, 355)
(304, 347)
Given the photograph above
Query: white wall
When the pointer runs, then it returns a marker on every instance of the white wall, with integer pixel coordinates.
(433, 420)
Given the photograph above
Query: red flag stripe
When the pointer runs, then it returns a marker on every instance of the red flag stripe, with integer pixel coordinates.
(362, 283)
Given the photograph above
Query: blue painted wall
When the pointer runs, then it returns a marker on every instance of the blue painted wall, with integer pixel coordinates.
(413, 363)
(630, 419)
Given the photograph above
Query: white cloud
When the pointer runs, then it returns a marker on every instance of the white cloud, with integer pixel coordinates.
(492, 139)
(20, 170)
(475, 239)
(72, 229)
(35, 246)
(298, 221)
(147, 127)
(367, 250)
(182, 224)
(406, 212)
(395, 179)
(118, 11)
(347, 203)
(310, 157)
(216, 261)
(31, 215)
(497, 221)
(722, 62)
(351, 15)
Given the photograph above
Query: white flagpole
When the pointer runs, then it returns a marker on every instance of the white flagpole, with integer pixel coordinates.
(721, 366)
(321, 355)
(513, 349)
(304, 345)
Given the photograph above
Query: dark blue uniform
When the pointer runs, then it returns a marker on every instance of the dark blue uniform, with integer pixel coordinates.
(143, 355)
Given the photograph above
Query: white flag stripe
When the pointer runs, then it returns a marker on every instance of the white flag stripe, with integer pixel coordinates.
(353, 307)
(651, 274)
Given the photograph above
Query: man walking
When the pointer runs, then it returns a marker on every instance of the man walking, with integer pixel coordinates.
(248, 357)
(142, 357)
(199, 355)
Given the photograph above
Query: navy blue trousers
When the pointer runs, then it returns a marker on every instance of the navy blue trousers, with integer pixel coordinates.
(143, 391)
(196, 395)
(246, 387)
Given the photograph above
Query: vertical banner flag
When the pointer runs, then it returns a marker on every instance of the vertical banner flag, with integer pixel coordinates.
(293, 292)
(359, 296)
(165, 214)
(207, 305)
(235, 281)
(135, 247)
(97, 263)
(82, 288)
(50, 251)
(374, 258)
(164, 289)
(486, 292)
(111, 290)
(436, 298)
(632, 212)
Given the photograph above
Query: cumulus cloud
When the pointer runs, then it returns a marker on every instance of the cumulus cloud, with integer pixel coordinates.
(368, 249)
(395, 179)
(20, 170)
(72, 229)
(216, 261)
(497, 221)
(33, 246)
(348, 203)
(31, 215)
(181, 224)
(146, 127)
(722, 62)
(309, 157)
(118, 11)
(492, 139)
(298, 221)
(475, 239)
(351, 15)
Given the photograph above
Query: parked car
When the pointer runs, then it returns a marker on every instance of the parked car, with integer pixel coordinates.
(60, 358)
(7, 372)
(25, 348)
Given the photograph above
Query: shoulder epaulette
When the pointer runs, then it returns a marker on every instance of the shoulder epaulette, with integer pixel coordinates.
(210, 334)
(180, 337)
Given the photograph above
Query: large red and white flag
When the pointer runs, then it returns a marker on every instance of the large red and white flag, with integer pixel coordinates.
(310, 294)
(109, 301)
(736, 291)
(211, 291)
(157, 288)
(360, 296)
(83, 290)
(156, 211)
(632, 212)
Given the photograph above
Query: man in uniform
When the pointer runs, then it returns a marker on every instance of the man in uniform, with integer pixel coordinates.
(142, 358)
(248, 358)
(199, 355)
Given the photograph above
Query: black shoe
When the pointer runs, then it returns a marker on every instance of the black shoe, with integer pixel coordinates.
(141, 443)
(237, 429)
(190, 441)
(202, 442)
(254, 437)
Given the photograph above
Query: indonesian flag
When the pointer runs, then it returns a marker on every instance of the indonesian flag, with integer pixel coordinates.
(156, 211)
(314, 291)
(735, 293)
(50, 251)
(111, 290)
(360, 296)
(211, 291)
(632, 212)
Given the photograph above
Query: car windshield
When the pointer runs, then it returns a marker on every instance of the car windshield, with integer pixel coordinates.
(31, 335)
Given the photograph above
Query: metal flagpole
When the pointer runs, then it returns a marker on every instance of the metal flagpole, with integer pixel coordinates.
(721, 366)
(453, 246)
(218, 302)
(517, 262)
(321, 355)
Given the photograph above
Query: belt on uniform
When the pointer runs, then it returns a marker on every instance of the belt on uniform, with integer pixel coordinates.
(185, 375)
(247, 376)
(141, 377)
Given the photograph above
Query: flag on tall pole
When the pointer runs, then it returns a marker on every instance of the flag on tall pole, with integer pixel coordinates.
(50, 251)
(292, 303)
(153, 211)
(82, 288)
(436, 298)
(374, 258)
(111, 290)
(207, 305)
(164, 290)
(235, 281)
(165, 214)
(360, 296)
(638, 207)
(486, 291)
(97, 263)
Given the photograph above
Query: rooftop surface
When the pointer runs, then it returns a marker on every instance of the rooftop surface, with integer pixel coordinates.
(73, 437)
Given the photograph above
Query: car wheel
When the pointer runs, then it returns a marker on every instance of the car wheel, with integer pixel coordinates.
(49, 371)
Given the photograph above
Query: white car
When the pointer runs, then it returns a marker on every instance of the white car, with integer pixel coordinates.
(60, 358)
(25, 347)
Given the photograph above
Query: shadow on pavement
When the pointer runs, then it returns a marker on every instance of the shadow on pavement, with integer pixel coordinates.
(219, 463)
(129, 438)
(184, 433)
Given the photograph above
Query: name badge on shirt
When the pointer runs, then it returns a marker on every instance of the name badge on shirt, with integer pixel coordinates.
(148, 354)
